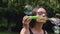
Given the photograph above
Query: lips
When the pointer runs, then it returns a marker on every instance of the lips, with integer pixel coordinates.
(42, 18)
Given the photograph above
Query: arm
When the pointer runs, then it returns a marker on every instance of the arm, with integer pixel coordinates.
(25, 29)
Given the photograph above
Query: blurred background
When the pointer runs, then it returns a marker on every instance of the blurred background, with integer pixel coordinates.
(12, 12)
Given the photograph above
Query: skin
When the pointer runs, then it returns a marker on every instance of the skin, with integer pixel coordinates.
(37, 29)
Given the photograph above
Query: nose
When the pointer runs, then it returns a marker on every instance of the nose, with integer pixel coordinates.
(43, 15)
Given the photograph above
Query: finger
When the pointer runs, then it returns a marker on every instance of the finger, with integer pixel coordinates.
(28, 21)
(25, 18)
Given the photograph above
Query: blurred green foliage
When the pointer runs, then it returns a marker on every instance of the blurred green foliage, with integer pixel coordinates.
(16, 7)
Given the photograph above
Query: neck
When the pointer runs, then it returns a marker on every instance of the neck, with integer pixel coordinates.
(38, 26)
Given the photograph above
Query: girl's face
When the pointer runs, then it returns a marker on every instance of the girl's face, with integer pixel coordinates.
(42, 15)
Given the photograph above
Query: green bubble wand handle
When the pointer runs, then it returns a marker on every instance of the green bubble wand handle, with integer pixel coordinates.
(33, 17)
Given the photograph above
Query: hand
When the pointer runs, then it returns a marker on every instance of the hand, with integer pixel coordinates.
(26, 20)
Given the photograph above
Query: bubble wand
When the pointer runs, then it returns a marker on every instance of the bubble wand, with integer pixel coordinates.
(28, 11)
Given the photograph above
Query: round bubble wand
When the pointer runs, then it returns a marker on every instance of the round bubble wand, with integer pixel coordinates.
(28, 11)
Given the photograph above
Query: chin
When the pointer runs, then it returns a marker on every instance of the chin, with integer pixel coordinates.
(41, 21)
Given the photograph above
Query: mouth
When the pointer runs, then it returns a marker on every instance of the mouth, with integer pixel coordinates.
(42, 19)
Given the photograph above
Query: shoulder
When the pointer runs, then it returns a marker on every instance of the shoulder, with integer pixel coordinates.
(24, 31)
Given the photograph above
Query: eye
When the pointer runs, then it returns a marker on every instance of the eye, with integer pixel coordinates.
(40, 13)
